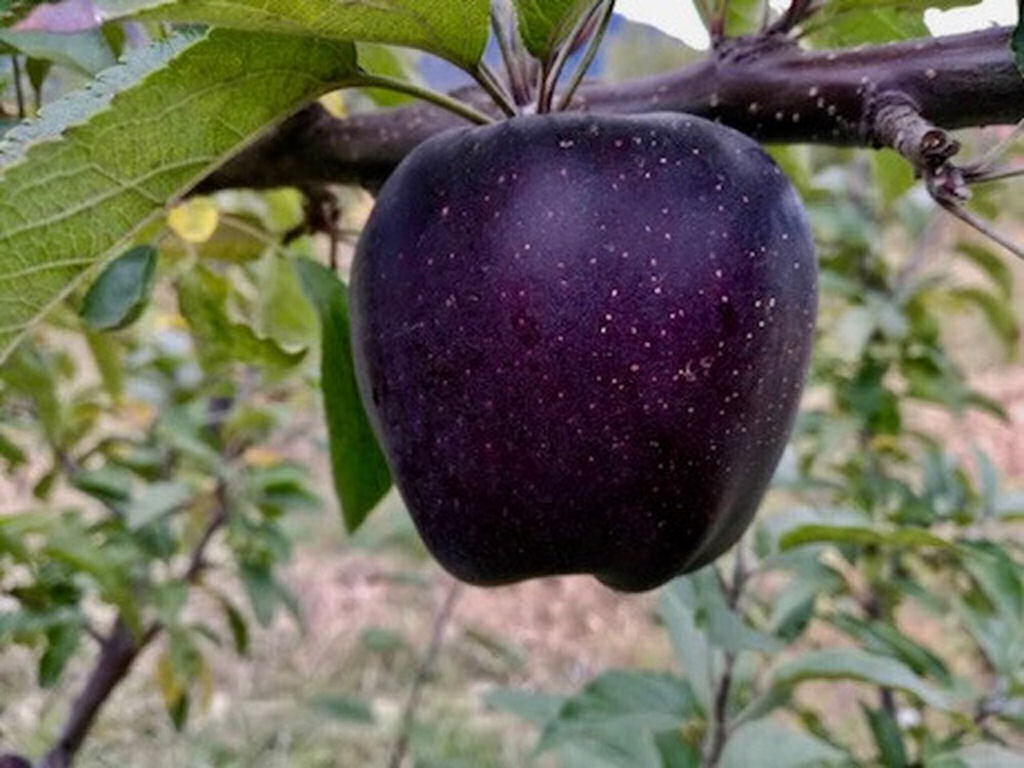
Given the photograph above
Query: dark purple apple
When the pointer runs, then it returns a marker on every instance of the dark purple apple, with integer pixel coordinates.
(582, 340)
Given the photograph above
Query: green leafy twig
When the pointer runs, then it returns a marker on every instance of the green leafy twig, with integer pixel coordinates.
(444, 615)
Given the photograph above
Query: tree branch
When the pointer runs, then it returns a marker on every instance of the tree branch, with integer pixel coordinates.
(765, 86)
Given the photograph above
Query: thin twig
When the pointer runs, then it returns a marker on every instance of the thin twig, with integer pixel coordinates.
(444, 615)
(588, 56)
(720, 726)
(982, 226)
(996, 174)
(19, 91)
(986, 162)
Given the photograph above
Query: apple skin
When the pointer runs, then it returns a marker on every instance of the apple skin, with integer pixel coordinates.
(582, 340)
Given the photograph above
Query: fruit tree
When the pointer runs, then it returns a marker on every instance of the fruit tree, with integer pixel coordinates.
(588, 323)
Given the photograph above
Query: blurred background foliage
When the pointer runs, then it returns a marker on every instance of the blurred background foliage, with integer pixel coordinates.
(165, 461)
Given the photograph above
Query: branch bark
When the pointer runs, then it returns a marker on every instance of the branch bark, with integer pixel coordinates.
(765, 86)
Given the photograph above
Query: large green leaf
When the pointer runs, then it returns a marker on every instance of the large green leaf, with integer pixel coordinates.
(143, 133)
(361, 476)
(454, 29)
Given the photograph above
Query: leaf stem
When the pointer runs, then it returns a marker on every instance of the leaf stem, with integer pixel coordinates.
(505, 34)
(549, 82)
(588, 57)
(460, 108)
(494, 88)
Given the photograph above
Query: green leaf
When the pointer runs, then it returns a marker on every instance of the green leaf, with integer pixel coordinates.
(220, 341)
(722, 626)
(155, 502)
(343, 707)
(855, 664)
(621, 701)
(534, 707)
(236, 623)
(110, 485)
(382, 60)
(32, 375)
(546, 24)
(61, 644)
(893, 175)
(845, 23)
(998, 575)
(259, 585)
(880, 637)
(978, 756)
(454, 29)
(792, 610)
(120, 293)
(11, 453)
(998, 312)
(742, 17)
(361, 476)
(284, 314)
(86, 52)
(886, 731)
(689, 642)
(206, 97)
(989, 263)
(862, 536)
(108, 356)
(778, 746)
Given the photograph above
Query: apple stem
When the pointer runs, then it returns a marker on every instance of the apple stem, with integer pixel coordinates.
(453, 105)
(588, 56)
